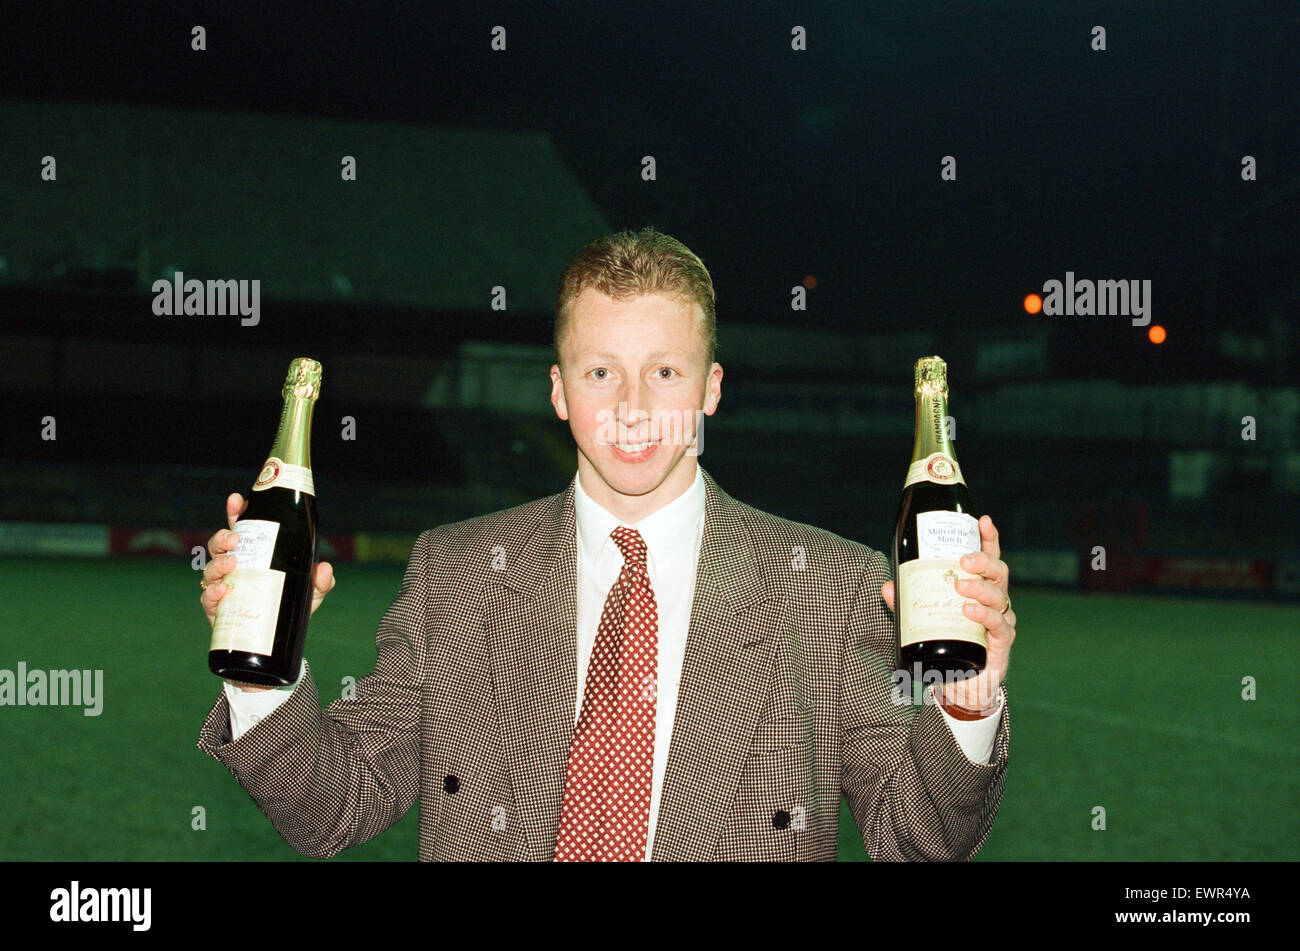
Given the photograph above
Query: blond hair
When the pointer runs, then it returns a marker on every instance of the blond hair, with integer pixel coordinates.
(628, 264)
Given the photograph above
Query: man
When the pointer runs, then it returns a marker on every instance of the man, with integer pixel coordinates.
(634, 668)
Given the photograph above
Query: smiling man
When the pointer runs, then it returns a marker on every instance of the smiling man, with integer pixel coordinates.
(636, 375)
(654, 670)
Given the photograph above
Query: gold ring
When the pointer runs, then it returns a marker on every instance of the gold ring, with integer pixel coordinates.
(1008, 607)
(203, 584)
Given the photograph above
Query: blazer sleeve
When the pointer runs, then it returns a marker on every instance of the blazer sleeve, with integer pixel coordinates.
(332, 779)
(913, 793)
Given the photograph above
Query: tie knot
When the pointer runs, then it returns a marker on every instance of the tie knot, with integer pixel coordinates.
(631, 544)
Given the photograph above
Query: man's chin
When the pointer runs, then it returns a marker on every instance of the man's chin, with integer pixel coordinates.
(633, 484)
(634, 478)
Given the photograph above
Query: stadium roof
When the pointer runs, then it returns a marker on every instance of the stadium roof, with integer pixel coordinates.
(436, 217)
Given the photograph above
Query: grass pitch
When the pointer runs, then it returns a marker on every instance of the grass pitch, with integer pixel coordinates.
(1129, 703)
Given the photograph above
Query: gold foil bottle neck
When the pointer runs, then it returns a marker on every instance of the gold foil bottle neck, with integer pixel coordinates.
(303, 379)
(931, 375)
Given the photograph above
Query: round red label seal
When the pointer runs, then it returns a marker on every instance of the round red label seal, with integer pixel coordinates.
(940, 469)
(270, 472)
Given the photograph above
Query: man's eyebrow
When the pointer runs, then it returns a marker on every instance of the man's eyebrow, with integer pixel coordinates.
(657, 355)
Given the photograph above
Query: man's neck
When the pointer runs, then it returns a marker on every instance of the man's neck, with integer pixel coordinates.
(631, 509)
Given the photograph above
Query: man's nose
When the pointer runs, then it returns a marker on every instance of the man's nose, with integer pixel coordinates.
(632, 406)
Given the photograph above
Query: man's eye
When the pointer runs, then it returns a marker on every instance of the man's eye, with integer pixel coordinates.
(667, 373)
(600, 373)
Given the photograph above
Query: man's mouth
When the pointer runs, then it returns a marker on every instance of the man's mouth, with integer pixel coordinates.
(634, 451)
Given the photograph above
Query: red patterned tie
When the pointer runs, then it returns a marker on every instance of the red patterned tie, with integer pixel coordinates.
(606, 811)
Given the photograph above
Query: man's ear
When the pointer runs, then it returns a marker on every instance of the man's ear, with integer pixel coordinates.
(557, 393)
(713, 390)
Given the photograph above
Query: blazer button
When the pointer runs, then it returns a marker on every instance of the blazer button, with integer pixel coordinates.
(781, 819)
(450, 785)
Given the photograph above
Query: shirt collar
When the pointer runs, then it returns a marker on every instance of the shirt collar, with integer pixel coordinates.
(667, 532)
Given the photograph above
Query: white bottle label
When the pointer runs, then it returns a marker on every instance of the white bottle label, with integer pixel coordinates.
(937, 467)
(279, 473)
(930, 606)
(246, 616)
(946, 534)
(256, 542)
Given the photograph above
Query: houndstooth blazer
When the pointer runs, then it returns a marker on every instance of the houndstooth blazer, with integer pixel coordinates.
(785, 703)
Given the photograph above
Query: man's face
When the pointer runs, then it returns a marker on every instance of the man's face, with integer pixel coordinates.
(631, 380)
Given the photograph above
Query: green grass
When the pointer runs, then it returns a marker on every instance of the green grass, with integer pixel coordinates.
(1126, 702)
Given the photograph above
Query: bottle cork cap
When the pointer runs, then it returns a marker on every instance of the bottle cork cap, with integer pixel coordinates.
(931, 374)
(303, 379)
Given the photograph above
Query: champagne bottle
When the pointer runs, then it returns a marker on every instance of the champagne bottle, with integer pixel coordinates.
(935, 527)
(261, 623)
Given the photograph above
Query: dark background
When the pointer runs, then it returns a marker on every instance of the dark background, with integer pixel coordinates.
(774, 166)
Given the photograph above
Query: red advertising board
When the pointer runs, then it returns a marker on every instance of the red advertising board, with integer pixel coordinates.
(1180, 573)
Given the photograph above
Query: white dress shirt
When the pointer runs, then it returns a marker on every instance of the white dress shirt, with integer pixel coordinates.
(672, 536)
(672, 540)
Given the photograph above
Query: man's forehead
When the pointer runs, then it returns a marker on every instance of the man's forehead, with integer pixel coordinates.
(605, 329)
(594, 301)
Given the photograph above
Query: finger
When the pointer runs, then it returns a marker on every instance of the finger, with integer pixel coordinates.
(989, 537)
(995, 623)
(235, 505)
(985, 592)
(983, 564)
(210, 595)
(887, 593)
(223, 541)
(217, 568)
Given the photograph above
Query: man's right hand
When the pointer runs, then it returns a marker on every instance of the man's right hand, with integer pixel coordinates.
(221, 563)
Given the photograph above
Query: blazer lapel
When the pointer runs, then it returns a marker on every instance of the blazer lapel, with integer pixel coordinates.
(530, 616)
(723, 687)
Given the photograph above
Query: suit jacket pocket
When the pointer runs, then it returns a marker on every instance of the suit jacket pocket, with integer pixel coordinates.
(779, 733)
(769, 814)
(472, 814)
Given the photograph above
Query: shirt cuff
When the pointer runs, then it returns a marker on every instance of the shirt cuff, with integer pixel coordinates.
(250, 707)
(975, 737)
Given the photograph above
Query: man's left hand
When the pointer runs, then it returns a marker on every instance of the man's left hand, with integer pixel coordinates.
(991, 606)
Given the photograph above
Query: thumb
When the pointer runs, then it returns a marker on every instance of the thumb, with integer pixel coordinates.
(887, 592)
(235, 505)
(324, 579)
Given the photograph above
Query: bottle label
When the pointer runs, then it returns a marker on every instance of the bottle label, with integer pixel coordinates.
(247, 615)
(281, 474)
(256, 542)
(937, 467)
(929, 608)
(946, 534)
